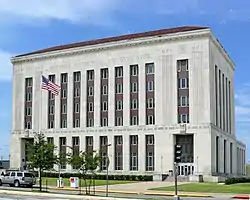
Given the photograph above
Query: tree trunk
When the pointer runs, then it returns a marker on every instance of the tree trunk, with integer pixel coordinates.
(40, 179)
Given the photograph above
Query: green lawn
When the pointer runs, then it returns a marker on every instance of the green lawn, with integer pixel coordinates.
(53, 182)
(240, 188)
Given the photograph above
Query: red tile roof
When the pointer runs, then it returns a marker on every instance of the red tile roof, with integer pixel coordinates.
(118, 38)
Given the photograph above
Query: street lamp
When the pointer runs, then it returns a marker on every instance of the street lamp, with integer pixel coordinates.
(107, 170)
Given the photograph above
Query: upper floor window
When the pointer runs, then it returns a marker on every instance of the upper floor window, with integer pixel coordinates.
(183, 101)
(119, 89)
(183, 83)
(150, 68)
(64, 78)
(77, 92)
(77, 76)
(150, 86)
(104, 73)
(90, 75)
(182, 65)
(118, 72)
(134, 70)
(90, 91)
(119, 105)
(134, 87)
(28, 82)
(104, 90)
(183, 118)
(64, 94)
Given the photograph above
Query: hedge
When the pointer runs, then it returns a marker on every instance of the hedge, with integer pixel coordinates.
(100, 176)
(230, 181)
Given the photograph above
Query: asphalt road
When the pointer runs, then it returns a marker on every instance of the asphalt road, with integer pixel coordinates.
(139, 196)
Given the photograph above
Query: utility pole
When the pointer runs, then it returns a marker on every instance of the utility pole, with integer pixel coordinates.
(177, 159)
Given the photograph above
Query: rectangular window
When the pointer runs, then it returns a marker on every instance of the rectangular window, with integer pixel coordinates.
(150, 68)
(75, 141)
(77, 76)
(118, 140)
(133, 70)
(50, 140)
(104, 73)
(133, 139)
(184, 101)
(90, 107)
(28, 111)
(77, 92)
(104, 90)
(104, 121)
(134, 87)
(134, 104)
(134, 121)
(64, 109)
(182, 65)
(90, 91)
(90, 122)
(119, 121)
(27, 125)
(76, 123)
(105, 106)
(64, 123)
(134, 161)
(64, 78)
(183, 83)
(119, 88)
(28, 82)
(118, 72)
(150, 103)
(51, 110)
(183, 118)
(64, 94)
(119, 105)
(150, 140)
(51, 96)
(28, 97)
(51, 124)
(118, 161)
(90, 75)
(76, 107)
(149, 161)
(89, 140)
(150, 86)
(150, 120)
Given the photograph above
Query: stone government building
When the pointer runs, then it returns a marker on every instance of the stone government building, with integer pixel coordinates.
(142, 93)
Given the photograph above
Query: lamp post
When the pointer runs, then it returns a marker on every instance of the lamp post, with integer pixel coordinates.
(107, 170)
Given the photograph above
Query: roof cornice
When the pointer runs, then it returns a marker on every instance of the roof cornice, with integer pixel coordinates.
(123, 44)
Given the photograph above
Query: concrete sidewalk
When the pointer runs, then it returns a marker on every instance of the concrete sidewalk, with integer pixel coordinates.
(141, 188)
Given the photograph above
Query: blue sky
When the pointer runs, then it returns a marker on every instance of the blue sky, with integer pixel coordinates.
(28, 25)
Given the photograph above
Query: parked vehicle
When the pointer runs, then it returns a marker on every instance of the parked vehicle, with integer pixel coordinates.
(18, 178)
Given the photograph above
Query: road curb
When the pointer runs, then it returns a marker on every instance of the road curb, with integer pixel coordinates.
(242, 197)
(138, 193)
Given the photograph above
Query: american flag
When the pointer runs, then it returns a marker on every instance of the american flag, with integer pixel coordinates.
(50, 86)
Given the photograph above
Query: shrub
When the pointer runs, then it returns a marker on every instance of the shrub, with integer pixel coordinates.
(230, 181)
(100, 176)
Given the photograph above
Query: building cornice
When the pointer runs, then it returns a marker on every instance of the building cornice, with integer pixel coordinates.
(130, 43)
(114, 45)
(222, 50)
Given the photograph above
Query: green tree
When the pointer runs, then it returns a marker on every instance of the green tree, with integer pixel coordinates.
(41, 156)
(87, 164)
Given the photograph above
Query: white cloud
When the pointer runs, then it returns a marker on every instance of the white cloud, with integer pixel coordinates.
(84, 11)
(6, 66)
